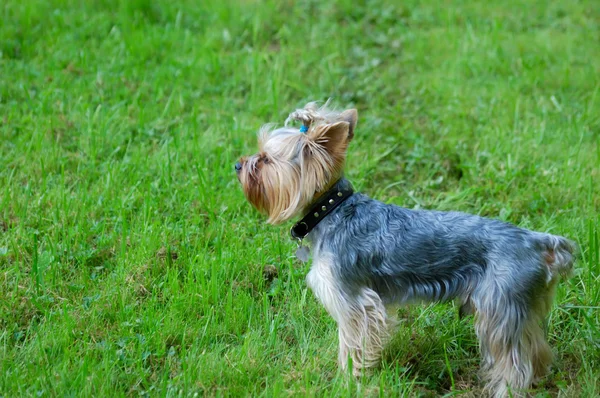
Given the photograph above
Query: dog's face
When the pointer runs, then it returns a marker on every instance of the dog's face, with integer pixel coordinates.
(293, 168)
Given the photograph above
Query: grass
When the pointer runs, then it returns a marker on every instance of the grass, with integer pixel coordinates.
(130, 263)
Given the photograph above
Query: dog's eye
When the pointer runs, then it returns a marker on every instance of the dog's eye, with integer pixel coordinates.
(266, 160)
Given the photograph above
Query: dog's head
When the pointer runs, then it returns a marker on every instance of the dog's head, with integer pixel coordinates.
(294, 166)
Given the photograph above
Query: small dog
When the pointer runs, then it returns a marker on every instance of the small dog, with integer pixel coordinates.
(369, 256)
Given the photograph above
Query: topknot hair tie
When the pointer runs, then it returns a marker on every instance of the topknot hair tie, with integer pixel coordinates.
(303, 128)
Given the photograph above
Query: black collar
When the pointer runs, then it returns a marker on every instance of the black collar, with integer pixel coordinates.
(326, 203)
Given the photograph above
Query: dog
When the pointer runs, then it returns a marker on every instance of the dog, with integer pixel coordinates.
(369, 257)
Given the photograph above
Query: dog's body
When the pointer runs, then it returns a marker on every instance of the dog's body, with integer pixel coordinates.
(369, 256)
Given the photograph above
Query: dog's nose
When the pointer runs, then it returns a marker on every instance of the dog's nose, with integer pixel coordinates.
(238, 167)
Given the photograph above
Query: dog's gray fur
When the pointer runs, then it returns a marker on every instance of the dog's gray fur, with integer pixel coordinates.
(376, 255)
(369, 257)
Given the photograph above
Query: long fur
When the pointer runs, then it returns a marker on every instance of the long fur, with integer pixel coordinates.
(402, 256)
(369, 256)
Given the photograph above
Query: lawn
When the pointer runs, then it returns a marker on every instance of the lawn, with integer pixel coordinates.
(130, 262)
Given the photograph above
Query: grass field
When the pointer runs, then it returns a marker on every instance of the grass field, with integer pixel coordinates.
(130, 262)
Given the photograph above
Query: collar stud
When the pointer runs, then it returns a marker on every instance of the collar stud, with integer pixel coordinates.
(320, 210)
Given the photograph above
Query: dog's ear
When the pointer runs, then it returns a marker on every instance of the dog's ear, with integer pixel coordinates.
(333, 137)
(350, 116)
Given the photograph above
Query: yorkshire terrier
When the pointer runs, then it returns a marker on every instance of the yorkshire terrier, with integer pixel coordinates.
(369, 257)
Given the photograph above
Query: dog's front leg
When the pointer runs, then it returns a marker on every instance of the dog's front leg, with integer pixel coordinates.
(359, 313)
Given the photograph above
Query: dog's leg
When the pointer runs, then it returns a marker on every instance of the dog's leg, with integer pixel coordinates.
(508, 337)
(361, 317)
(537, 330)
(363, 331)
(466, 308)
(541, 354)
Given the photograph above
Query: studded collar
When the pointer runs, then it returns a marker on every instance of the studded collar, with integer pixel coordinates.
(326, 203)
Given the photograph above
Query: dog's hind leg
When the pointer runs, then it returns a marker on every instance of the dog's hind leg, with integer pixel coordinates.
(509, 337)
(537, 331)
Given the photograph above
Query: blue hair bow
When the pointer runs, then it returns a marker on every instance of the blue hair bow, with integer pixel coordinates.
(303, 129)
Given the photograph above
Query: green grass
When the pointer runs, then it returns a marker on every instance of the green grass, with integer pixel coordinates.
(130, 263)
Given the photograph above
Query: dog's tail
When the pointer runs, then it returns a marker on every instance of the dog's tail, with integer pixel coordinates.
(559, 254)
